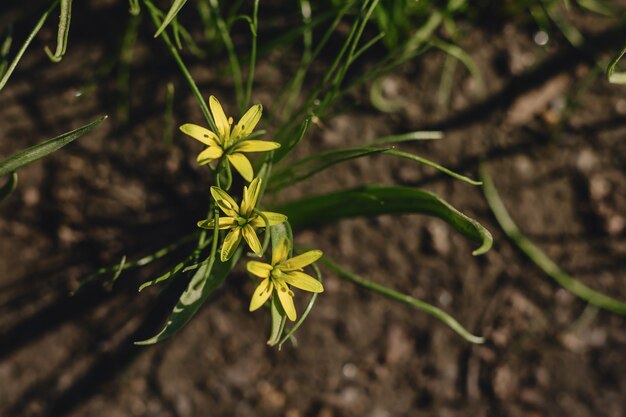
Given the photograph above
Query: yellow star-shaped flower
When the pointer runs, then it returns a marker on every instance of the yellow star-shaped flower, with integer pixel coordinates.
(282, 273)
(227, 142)
(241, 220)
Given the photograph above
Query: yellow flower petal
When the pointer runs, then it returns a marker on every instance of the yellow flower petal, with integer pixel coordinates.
(200, 133)
(300, 261)
(248, 122)
(281, 252)
(260, 269)
(250, 196)
(221, 121)
(261, 294)
(285, 295)
(223, 223)
(253, 241)
(256, 146)
(242, 165)
(303, 281)
(231, 242)
(225, 202)
(209, 154)
(273, 218)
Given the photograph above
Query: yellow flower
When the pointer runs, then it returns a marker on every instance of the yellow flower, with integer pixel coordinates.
(241, 220)
(231, 143)
(282, 273)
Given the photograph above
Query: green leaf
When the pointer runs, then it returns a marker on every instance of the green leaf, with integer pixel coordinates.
(307, 167)
(541, 259)
(616, 77)
(288, 145)
(7, 74)
(156, 15)
(403, 298)
(431, 164)
(5, 48)
(289, 334)
(133, 7)
(374, 200)
(65, 19)
(171, 14)
(279, 318)
(205, 280)
(36, 152)
(8, 187)
(410, 136)
(278, 232)
(460, 54)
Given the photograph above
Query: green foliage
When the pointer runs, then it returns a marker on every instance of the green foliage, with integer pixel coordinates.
(36, 152)
(539, 258)
(405, 299)
(336, 36)
(65, 19)
(11, 67)
(616, 77)
(8, 186)
(375, 200)
(204, 281)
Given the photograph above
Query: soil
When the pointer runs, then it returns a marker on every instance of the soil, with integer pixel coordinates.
(549, 125)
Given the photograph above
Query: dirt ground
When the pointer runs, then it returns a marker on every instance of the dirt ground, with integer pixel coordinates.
(550, 126)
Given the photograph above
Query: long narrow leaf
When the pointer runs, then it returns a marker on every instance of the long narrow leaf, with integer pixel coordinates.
(29, 39)
(539, 258)
(288, 144)
(8, 187)
(65, 19)
(36, 152)
(403, 298)
(307, 167)
(613, 76)
(289, 334)
(304, 169)
(171, 15)
(375, 200)
(5, 47)
(156, 15)
(278, 233)
(205, 280)
(133, 7)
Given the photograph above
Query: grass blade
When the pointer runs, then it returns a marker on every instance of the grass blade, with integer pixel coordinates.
(541, 259)
(307, 167)
(171, 14)
(204, 281)
(133, 7)
(616, 77)
(410, 136)
(278, 316)
(65, 19)
(304, 314)
(457, 52)
(29, 39)
(375, 200)
(403, 298)
(156, 15)
(8, 187)
(291, 142)
(4, 51)
(431, 164)
(36, 152)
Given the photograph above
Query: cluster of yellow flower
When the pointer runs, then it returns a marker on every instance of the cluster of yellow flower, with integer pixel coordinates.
(242, 219)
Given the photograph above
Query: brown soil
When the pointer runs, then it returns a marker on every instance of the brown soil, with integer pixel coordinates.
(551, 128)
